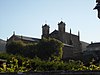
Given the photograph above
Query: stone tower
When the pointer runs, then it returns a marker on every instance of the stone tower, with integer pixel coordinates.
(61, 30)
(61, 27)
(45, 31)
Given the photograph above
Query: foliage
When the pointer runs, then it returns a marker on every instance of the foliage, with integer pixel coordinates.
(45, 49)
(49, 48)
(17, 63)
(42, 56)
(21, 48)
(15, 47)
(29, 50)
(89, 55)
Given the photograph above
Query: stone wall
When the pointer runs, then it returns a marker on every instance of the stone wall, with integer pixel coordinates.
(67, 52)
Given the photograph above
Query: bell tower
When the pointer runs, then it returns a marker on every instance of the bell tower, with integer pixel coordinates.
(45, 31)
(61, 26)
(61, 30)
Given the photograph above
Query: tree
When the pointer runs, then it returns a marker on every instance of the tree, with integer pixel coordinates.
(46, 49)
(15, 47)
(49, 48)
(21, 48)
(30, 50)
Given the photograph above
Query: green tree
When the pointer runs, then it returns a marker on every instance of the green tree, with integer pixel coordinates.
(49, 48)
(15, 47)
(30, 50)
(21, 48)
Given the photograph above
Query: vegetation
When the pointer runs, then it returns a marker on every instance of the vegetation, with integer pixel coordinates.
(49, 49)
(45, 55)
(16, 63)
(45, 49)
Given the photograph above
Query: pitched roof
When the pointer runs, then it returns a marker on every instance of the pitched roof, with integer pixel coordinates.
(56, 32)
(27, 38)
(97, 44)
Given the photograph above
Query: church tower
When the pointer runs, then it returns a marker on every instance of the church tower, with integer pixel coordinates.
(45, 31)
(61, 27)
(61, 30)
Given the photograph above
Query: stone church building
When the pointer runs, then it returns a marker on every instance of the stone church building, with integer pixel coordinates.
(72, 43)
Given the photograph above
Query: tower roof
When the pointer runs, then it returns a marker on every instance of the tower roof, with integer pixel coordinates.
(45, 25)
(61, 23)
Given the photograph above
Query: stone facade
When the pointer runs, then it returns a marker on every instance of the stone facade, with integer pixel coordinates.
(94, 46)
(72, 44)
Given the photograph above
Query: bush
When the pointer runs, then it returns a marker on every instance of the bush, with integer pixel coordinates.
(20, 64)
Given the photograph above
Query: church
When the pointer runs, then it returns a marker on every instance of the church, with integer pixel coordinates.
(72, 43)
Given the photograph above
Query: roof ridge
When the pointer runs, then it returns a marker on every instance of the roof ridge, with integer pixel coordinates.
(26, 36)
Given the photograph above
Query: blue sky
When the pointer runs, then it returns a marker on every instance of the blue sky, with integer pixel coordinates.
(26, 17)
